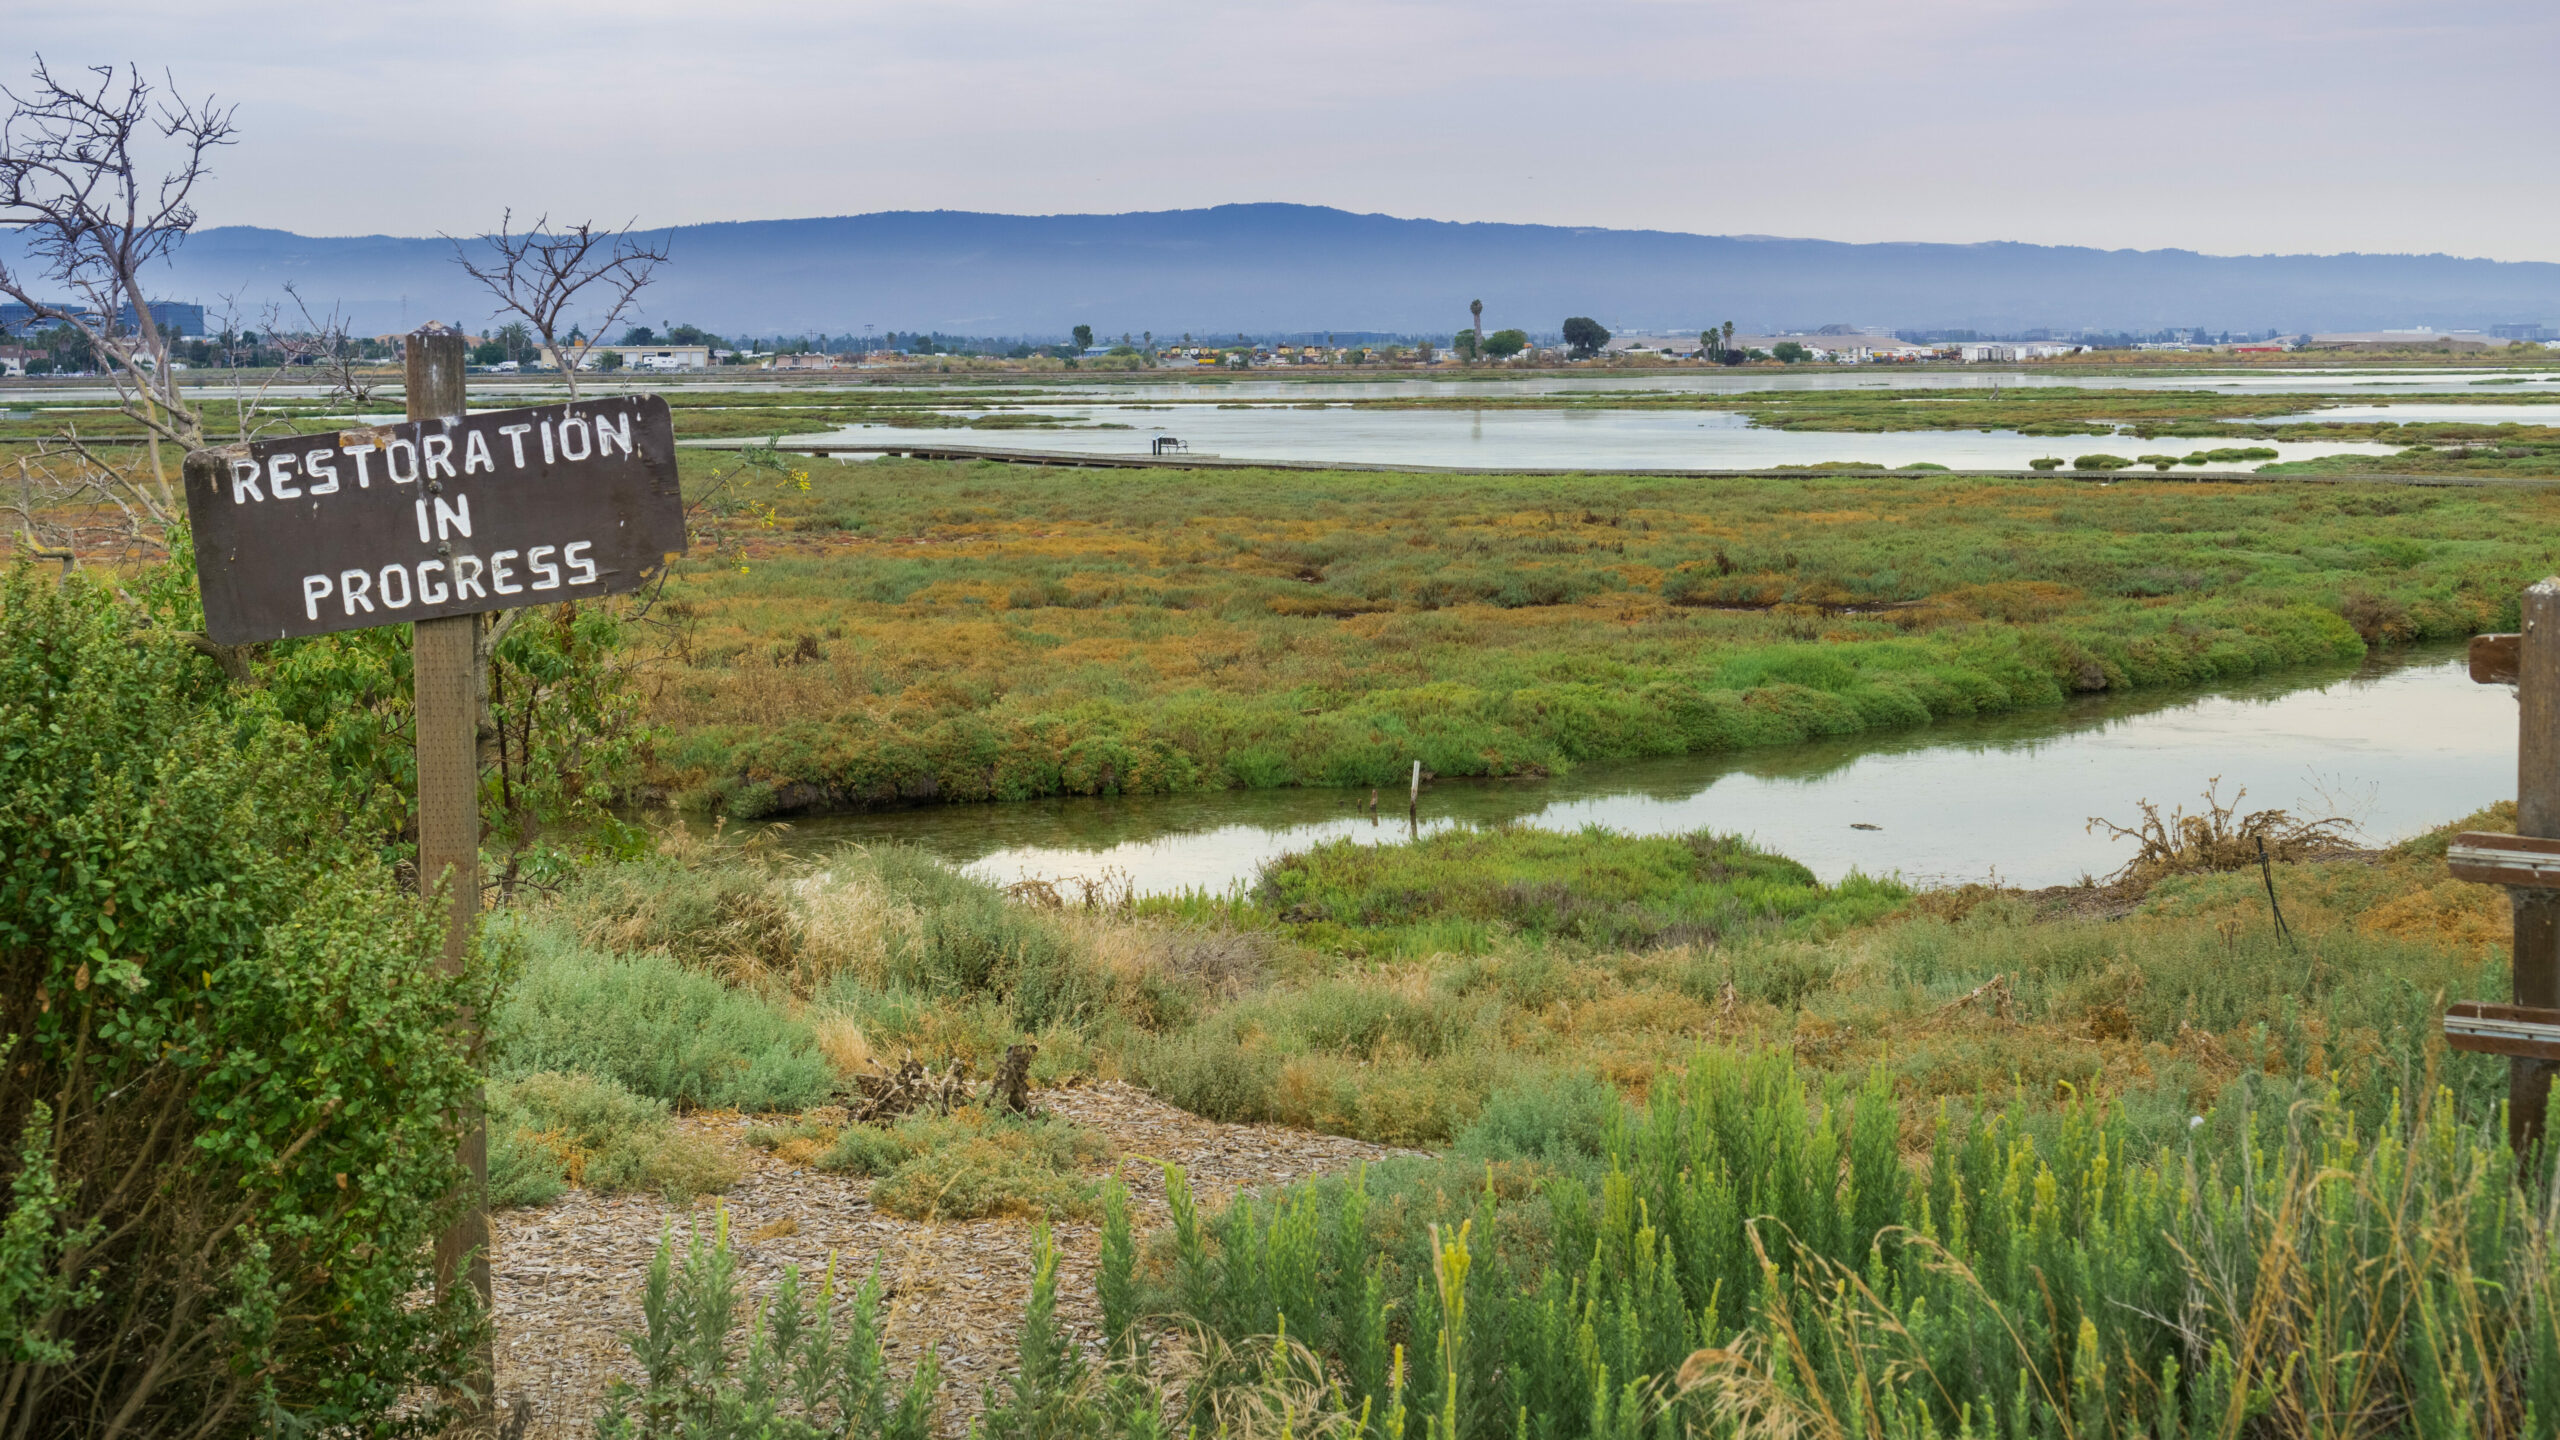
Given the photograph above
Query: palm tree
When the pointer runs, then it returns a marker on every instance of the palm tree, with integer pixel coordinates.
(1476, 309)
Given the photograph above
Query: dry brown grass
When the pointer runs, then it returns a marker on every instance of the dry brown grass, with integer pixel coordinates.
(847, 1049)
(2219, 837)
(849, 925)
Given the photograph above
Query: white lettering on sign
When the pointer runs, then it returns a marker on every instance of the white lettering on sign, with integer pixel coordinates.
(463, 578)
(289, 476)
(456, 516)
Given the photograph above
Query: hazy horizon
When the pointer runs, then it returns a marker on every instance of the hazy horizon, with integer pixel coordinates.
(2288, 127)
(1392, 215)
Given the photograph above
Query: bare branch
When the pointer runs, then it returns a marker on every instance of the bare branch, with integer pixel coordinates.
(98, 170)
(540, 275)
(332, 349)
(74, 181)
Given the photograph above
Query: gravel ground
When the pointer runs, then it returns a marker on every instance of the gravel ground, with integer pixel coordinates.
(568, 1275)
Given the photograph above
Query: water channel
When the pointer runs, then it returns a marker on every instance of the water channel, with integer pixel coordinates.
(2404, 742)
(1612, 440)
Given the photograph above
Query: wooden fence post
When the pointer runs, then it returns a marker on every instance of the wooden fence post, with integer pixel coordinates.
(2537, 910)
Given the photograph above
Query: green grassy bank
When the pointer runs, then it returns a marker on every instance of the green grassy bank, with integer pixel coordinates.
(907, 631)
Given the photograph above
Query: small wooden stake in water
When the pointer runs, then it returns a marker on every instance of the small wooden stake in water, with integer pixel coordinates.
(442, 655)
(1413, 802)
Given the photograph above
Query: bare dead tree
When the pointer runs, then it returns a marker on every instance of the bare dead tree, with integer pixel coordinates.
(544, 278)
(540, 275)
(325, 340)
(76, 182)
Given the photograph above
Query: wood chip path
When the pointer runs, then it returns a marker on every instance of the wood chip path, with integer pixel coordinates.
(568, 1275)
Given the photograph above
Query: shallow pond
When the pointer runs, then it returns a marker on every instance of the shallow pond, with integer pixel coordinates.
(2401, 744)
(1614, 440)
(2424, 414)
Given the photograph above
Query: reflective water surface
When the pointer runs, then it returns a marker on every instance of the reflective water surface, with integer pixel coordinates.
(1615, 440)
(2401, 744)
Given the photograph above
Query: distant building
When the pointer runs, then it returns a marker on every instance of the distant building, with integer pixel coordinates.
(171, 316)
(2009, 352)
(2522, 331)
(641, 357)
(807, 360)
(2401, 339)
(1670, 347)
(1839, 349)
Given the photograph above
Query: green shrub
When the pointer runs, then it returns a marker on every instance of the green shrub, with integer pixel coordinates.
(726, 907)
(2047, 462)
(656, 1028)
(971, 1165)
(548, 1131)
(1558, 1120)
(2101, 462)
(231, 1060)
(957, 937)
(1457, 890)
(1208, 1072)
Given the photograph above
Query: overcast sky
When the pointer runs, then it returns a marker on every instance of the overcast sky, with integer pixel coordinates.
(2229, 126)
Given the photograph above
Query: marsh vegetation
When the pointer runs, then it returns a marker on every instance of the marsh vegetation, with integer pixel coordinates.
(918, 631)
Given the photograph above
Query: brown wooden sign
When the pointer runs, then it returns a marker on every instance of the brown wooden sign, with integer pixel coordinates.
(2526, 1031)
(433, 518)
(2525, 860)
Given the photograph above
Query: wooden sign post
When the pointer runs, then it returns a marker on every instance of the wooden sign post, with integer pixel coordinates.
(445, 694)
(435, 522)
(2528, 864)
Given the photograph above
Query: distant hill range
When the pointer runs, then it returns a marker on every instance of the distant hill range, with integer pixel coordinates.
(1297, 268)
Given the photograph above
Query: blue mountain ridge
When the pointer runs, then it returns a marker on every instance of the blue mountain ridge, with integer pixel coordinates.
(1266, 268)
